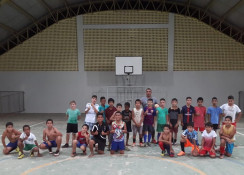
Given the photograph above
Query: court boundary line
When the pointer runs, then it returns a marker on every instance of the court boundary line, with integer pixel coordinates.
(239, 133)
(132, 155)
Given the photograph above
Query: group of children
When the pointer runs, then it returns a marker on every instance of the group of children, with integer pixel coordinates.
(108, 121)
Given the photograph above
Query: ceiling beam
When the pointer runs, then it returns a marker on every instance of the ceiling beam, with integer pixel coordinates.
(7, 28)
(21, 10)
(49, 9)
(222, 18)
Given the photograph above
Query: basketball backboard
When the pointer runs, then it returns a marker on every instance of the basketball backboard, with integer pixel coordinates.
(128, 65)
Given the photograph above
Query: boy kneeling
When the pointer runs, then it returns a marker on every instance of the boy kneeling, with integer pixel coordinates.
(189, 138)
(27, 141)
(82, 140)
(208, 141)
(165, 141)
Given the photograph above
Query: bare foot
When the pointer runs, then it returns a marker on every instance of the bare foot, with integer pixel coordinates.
(39, 155)
(73, 154)
(221, 156)
(91, 155)
(84, 153)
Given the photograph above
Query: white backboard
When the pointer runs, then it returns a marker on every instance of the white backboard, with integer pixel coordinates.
(128, 65)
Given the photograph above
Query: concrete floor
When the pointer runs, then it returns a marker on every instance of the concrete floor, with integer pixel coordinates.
(137, 161)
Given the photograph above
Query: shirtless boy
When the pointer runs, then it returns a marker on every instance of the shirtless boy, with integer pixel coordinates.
(13, 136)
(51, 137)
(165, 141)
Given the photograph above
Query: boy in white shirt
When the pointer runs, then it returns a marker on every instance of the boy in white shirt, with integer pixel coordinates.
(137, 121)
(231, 109)
(28, 142)
(208, 141)
(91, 112)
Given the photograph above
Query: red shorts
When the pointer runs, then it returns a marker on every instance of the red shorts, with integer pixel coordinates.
(201, 129)
(204, 151)
(223, 123)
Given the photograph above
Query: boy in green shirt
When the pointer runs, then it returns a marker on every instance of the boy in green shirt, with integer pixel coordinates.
(73, 115)
(162, 114)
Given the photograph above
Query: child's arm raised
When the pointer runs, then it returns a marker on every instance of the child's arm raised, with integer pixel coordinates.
(94, 108)
(112, 118)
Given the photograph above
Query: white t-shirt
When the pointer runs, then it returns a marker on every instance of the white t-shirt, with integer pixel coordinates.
(31, 139)
(137, 114)
(230, 111)
(91, 114)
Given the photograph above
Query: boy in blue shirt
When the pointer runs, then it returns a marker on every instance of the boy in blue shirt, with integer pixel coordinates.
(187, 112)
(189, 138)
(214, 114)
(73, 115)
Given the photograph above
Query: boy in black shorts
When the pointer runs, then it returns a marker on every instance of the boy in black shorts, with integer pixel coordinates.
(73, 115)
(100, 130)
(126, 117)
(174, 117)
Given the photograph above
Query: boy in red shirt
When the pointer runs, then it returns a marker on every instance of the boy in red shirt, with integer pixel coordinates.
(199, 117)
(82, 140)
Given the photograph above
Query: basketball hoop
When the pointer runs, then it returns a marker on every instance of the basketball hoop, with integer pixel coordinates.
(128, 70)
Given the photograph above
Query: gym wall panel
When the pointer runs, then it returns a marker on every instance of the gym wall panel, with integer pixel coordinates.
(199, 47)
(54, 49)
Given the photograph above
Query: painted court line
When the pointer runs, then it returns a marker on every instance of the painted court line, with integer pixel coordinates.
(143, 156)
(239, 133)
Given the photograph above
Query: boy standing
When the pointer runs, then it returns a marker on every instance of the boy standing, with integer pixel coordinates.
(214, 114)
(126, 117)
(231, 109)
(187, 112)
(100, 130)
(189, 138)
(109, 113)
(174, 116)
(199, 117)
(118, 130)
(149, 121)
(91, 112)
(28, 142)
(13, 136)
(51, 137)
(162, 114)
(165, 141)
(81, 141)
(208, 141)
(227, 133)
(103, 106)
(73, 115)
(137, 121)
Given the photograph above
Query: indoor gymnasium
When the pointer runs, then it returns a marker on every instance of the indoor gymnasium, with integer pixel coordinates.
(121, 87)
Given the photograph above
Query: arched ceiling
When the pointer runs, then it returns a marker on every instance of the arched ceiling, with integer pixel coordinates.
(21, 19)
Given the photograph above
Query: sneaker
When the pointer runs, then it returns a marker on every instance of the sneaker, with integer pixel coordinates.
(134, 144)
(182, 153)
(17, 149)
(171, 155)
(162, 154)
(148, 144)
(21, 156)
(19, 153)
(154, 141)
(56, 153)
(50, 150)
(66, 145)
(32, 154)
(145, 144)
(174, 142)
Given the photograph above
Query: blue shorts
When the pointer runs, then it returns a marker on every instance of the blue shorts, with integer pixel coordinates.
(229, 147)
(78, 145)
(13, 145)
(116, 146)
(53, 144)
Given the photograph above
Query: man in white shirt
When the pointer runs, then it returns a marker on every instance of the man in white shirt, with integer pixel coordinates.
(231, 109)
(91, 112)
